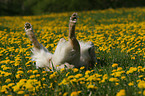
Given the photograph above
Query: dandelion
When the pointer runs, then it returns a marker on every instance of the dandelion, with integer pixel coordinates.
(73, 80)
(64, 82)
(16, 88)
(91, 87)
(139, 92)
(32, 76)
(38, 75)
(131, 83)
(11, 84)
(113, 79)
(62, 69)
(7, 68)
(123, 77)
(8, 80)
(117, 74)
(87, 72)
(105, 77)
(53, 75)
(75, 70)
(141, 84)
(131, 70)
(144, 92)
(35, 71)
(75, 93)
(18, 76)
(67, 73)
(51, 85)
(116, 84)
(115, 65)
(119, 68)
(4, 88)
(20, 92)
(121, 93)
(43, 79)
(7, 74)
(82, 68)
(78, 75)
(20, 72)
(82, 79)
(29, 71)
(140, 76)
(65, 94)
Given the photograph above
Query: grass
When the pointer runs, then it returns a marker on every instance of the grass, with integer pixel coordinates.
(119, 38)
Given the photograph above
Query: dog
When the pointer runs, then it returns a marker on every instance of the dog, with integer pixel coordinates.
(68, 54)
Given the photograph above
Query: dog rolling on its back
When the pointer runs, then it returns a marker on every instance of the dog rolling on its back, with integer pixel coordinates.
(71, 53)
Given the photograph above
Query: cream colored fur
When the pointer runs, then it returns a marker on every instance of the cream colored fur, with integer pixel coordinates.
(62, 56)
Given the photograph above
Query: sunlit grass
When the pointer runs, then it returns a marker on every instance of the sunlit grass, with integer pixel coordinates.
(119, 39)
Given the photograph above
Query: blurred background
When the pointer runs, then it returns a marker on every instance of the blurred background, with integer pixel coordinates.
(34, 7)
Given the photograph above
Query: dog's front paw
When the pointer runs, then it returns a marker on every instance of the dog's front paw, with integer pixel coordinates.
(28, 26)
(73, 18)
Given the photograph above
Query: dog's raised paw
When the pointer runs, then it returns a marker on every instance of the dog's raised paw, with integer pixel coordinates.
(28, 26)
(74, 17)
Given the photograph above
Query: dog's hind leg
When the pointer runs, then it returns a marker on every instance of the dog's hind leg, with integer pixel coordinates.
(72, 38)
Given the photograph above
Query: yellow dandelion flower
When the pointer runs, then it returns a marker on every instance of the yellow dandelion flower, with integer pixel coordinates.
(144, 93)
(20, 92)
(116, 84)
(43, 79)
(75, 70)
(18, 76)
(64, 82)
(78, 75)
(43, 72)
(115, 65)
(119, 68)
(141, 84)
(20, 72)
(67, 73)
(29, 71)
(123, 77)
(8, 80)
(139, 92)
(140, 76)
(121, 93)
(131, 83)
(91, 87)
(32, 76)
(114, 79)
(35, 71)
(11, 84)
(75, 93)
(26, 95)
(65, 94)
(82, 68)
(53, 75)
(7, 74)
(38, 75)
(87, 72)
(131, 70)
(16, 88)
(62, 69)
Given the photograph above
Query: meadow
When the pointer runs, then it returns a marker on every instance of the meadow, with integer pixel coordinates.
(119, 39)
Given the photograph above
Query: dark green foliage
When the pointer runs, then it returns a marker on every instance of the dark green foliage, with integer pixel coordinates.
(31, 7)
